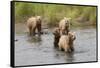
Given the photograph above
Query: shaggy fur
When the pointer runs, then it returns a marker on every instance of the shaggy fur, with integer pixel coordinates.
(56, 34)
(66, 42)
(64, 25)
(34, 23)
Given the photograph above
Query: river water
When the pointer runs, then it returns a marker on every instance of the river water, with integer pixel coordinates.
(40, 50)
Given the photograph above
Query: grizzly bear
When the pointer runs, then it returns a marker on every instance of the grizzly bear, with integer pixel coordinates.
(66, 42)
(64, 25)
(56, 34)
(34, 23)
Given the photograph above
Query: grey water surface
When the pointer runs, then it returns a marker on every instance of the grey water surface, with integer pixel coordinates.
(40, 50)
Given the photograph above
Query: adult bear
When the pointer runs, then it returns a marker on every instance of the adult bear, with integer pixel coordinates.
(34, 23)
(64, 25)
(56, 34)
(66, 42)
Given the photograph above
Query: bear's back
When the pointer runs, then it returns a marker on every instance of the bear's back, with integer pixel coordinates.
(31, 21)
(64, 39)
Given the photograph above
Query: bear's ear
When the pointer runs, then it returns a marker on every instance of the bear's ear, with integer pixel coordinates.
(74, 33)
(38, 17)
(65, 18)
(69, 33)
(69, 18)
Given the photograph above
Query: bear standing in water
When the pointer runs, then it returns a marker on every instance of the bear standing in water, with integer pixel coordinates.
(34, 23)
(66, 42)
(56, 34)
(64, 26)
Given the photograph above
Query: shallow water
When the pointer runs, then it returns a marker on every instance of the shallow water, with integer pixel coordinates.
(40, 50)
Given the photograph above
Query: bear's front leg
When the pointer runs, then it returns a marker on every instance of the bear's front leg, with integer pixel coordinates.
(67, 49)
(60, 48)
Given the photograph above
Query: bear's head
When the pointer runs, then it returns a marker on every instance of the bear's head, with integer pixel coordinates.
(67, 22)
(56, 33)
(39, 19)
(72, 36)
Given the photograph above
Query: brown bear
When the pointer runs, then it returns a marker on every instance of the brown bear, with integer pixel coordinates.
(56, 34)
(72, 37)
(66, 42)
(64, 25)
(34, 23)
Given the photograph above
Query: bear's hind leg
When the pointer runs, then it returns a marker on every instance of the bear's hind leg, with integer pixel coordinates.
(33, 31)
(39, 29)
(72, 48)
